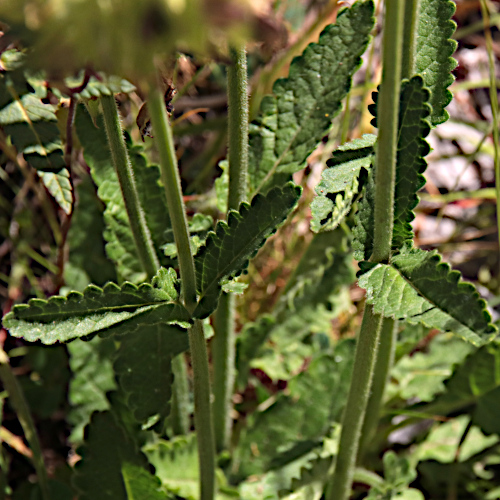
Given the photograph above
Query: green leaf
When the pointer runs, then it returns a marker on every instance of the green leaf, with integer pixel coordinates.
(311, 299)
(418, 288)
(363, 230)
(141, 484)
(109, 310)
(473, 388)
(434, 49)
(298, 420)
(59, 186)
(30, 124)
(107, 85)
(98, 475)
(121, 246)
(229, 248)
(92, 377)
(410, 165)
(85, 240)
(294, 119)
(341, 182)
(143, 366)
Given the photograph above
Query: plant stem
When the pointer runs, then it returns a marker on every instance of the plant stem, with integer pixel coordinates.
(121, 162)
(494, 103)
(137, 220)
(352, 419)
(387, 111)
(199, 359)
(409, 38)
(223, 345)
(180, 397)
(383, 366)
(21, 407)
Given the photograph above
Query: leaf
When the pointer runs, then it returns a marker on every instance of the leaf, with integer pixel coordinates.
(410, 165)
(93, 377)
(109, 310)
(298, 420)
(30, 124)
(59, 187)
(294, 119)
(107, 85)
(474, 389)
(107, 448)
(311, 299)
(418, 288)
(341, 182)
(434, 49)
(141, 484)
(143, 366)
(121, 246)
(229, 248)
(85, 240)
(413, 127)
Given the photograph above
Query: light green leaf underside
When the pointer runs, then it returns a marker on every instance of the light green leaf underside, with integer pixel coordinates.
(340, 183)
(108, 310)
(473, 388)
(30, 124)
(59, 187)
(107, 448)
(143, 366)
(310, 301)
(299, 113)
(121, 246)
(434, 49)
(418, 288)
(229, 248)
(141, 484)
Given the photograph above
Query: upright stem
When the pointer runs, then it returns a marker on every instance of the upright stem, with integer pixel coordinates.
(179, 413)
(121, 162)
(387, 118)
(138, 225)
(21, 407)
(383, 366)
(171, 181)
(223, 345)
(366, 350)
(409, 38)
(352, 420)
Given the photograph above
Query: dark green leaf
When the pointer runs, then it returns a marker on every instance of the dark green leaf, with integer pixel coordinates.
(229, 248)
(143, 366)
(108, 310)
(433, 53)
(107, 85)
(418, 288)
(341, 182)
(294, 119)
(98, 475)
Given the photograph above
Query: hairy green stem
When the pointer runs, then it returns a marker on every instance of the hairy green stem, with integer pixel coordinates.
(179, 414)
(137, 220)
(223, 345)
(383, 366)
(387, 118)
(121, 162)
(18, 402)
(352, 419)
(409, 38)
(199, 358)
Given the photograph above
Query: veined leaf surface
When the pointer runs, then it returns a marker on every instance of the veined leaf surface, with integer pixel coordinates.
(434, 49)
(141, 484)
(340, 182)
(299, 113)
(108, 310)
(229, 248)
(418, 288)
